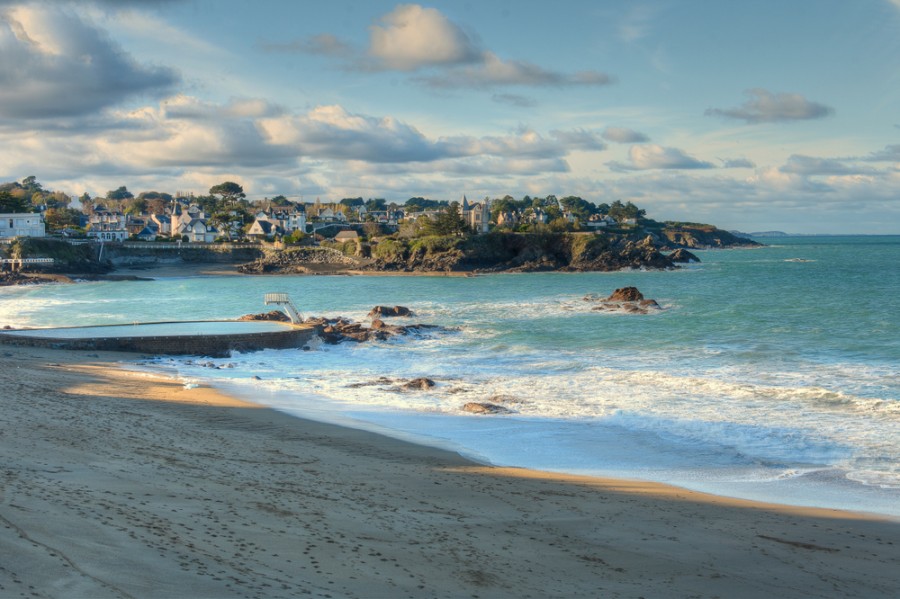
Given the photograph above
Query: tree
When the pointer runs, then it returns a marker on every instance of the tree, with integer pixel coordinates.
(30, 184)
(376, 204)
(229, 192)
(578, 206)
(448, 221)
(60, 218)
(10, 203)
(119, 194)
(135, 206)
(353, 202)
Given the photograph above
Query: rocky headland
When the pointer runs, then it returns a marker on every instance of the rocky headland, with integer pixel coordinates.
(495, 253)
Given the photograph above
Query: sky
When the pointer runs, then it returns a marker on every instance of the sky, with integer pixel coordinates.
(764, 115)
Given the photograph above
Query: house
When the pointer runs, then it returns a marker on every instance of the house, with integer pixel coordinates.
(198, 231)
(263, 227)
(508, 219)
(162, 222)
(107, 225)
(21, 224)
(478, 215)
(350, 235)
(597, 221)
(290, 218)
(149, 233)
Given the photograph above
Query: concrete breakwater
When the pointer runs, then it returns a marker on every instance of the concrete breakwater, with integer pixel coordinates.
(205, 338)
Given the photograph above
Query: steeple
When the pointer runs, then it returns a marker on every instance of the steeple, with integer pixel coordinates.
(465, 203)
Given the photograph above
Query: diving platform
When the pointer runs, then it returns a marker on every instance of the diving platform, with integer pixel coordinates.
(283, 300)
(14, 262)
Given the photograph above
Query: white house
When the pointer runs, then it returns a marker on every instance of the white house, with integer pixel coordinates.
(263, 227)
(22, 224)
(198, 231)
(107, 226)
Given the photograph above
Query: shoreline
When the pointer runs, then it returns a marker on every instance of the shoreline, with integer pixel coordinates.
(119, 483)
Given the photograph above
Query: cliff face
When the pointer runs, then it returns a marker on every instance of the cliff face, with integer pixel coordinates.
(67, 258)
(494, 252)
(702, 237)
(512, 252)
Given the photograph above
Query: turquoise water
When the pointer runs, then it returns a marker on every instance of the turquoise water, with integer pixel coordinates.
(770, 373)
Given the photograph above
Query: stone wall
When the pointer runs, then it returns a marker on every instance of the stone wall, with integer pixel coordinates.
(201, 345)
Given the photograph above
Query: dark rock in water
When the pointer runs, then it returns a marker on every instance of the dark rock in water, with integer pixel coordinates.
(682, 256)
(626, 294)
(274, 315)
(626, 299)
(420, 384)
(475, 407)
(383, 311)
(378, 324)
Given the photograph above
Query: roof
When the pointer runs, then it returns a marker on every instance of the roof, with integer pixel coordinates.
(346, 236)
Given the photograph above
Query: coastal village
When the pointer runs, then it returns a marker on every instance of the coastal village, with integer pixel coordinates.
(225, 215)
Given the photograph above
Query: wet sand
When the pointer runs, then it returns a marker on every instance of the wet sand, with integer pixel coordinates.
(120, 484)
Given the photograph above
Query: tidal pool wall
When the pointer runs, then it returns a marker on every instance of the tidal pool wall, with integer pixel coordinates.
(204, 338)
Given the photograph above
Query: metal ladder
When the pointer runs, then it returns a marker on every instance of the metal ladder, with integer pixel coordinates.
(284, 301)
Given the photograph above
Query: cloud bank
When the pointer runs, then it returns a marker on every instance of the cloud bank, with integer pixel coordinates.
(767, 107)
(412, 38)
(53, 64)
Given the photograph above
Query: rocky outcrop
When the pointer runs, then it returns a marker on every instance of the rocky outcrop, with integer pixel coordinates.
(682, 256)
(337, 330)
(697, 236)
(477, 407)
(419, 384)
(626, 294)
(386, 311)
(297, 261)
(273, 316)
(628, 300)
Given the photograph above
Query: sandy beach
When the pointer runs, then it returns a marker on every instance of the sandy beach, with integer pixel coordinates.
(121, 484)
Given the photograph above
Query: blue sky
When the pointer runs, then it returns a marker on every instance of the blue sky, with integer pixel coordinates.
(750, 115)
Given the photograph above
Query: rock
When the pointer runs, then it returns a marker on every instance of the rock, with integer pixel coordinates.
(626, 299)
(626, 294)
(378, 324)
(274, 315)
(419, 384)
(475, 407)
(383, 311)
(682, 256)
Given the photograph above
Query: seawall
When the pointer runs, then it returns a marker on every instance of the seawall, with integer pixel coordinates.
(201, 344)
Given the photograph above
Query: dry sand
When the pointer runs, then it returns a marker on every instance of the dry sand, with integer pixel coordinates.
(116, 484)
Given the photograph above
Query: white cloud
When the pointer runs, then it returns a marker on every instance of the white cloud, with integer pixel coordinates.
(652, 156)
(809, 165)
(624, 135)
(411, 37)
(767, 107)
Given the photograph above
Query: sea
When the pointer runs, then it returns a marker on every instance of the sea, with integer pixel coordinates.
(769, 374)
